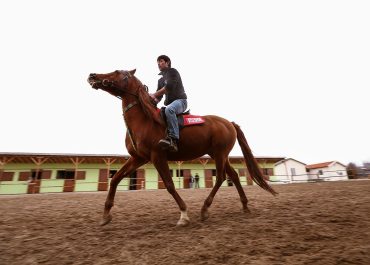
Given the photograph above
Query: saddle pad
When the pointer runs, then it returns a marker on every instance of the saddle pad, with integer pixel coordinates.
(192, 120)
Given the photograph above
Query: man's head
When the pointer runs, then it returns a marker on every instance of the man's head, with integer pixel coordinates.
(163, 62)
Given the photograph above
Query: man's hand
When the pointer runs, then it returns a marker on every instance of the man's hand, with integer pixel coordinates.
(153, 98)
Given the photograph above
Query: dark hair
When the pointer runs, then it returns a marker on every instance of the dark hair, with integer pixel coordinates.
(165, 58)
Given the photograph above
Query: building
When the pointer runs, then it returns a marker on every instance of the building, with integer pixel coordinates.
(290, 170)
(22, 173)
(328, 171)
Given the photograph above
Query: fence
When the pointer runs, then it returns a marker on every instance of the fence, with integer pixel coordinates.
(328, 175)
(40, 185)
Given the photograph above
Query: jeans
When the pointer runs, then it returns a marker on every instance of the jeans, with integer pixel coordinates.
(176, 107)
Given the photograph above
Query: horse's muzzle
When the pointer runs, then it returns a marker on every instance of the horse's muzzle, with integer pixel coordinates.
(92, 81)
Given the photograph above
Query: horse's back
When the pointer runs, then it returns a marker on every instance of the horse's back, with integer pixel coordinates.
(213, 125)
(223, 131)
(216, 133)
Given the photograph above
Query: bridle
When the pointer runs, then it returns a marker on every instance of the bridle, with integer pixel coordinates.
(113, 84)
(122, 89)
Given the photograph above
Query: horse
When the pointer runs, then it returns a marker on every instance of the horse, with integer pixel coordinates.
(145, 127)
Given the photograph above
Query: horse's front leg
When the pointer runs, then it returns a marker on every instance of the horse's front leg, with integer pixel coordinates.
(128, 168)
(161, 165)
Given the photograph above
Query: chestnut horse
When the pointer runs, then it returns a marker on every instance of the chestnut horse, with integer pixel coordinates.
(145, 127)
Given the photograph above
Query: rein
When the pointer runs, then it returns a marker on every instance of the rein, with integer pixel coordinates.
(128, 107)
(108, 83)
(114, 84)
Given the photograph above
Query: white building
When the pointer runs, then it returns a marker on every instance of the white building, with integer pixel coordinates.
(328, 171)
(290, 170)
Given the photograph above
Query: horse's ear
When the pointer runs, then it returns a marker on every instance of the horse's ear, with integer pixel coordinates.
(132, 71)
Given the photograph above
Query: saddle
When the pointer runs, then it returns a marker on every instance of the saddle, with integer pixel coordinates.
(184, 119)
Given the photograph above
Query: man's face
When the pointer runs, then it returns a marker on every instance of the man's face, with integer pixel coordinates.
(162, 64)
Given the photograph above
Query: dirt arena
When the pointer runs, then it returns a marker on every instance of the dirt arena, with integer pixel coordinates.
(315, 223)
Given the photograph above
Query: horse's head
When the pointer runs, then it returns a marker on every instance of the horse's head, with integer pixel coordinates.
(124, 83)
(115, 83)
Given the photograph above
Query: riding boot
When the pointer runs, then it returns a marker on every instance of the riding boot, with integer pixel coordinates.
(169, 144)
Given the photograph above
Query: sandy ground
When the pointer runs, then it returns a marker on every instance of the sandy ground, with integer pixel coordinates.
(316, 223)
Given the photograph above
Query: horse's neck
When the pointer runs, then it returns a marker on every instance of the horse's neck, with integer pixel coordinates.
(132, 112)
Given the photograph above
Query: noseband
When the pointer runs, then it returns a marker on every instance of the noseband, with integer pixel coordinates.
(113, 84)
(108, 83)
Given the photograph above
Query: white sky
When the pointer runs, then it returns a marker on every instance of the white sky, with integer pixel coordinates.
(294, 74)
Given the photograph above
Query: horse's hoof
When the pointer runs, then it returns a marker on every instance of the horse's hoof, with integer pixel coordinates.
(246, 210)
(204, 215)
(106, 220)
(183, 222)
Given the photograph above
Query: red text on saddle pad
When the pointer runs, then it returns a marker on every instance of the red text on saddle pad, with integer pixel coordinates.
(192, 120)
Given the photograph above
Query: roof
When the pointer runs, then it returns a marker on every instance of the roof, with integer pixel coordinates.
(24, 158)
(286, 159)
(322, 165)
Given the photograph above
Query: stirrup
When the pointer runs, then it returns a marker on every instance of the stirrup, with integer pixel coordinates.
(168, 144)
(165, 143)
(173, 146)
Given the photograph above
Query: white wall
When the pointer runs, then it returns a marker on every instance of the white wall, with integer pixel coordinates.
(333, 172)
(283, 171)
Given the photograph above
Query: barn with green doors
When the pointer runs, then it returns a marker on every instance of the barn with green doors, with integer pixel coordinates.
(28, 173)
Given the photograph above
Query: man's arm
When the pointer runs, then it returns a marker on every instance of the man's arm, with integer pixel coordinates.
(158, 94)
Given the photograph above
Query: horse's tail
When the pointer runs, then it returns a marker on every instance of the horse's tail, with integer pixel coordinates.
(251, 162)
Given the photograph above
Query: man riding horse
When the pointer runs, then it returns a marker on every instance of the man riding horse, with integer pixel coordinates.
(170, 85)
(145, 129)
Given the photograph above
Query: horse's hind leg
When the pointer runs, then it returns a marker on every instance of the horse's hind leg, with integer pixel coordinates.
(164, 171)
(235, 179)
(129, 167)
(220, 178)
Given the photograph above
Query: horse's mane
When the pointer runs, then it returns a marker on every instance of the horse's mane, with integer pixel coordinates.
(149, 109)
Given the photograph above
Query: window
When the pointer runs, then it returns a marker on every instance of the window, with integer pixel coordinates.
(292, 171)
(320, 172)
(214, 172)
(111, 173)
(179, 173)
(65, 174)
(36, 174)
(6, 176)
(268, 171)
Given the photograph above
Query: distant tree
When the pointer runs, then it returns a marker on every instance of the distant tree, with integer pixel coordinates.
(367, 169)
(352, 170)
